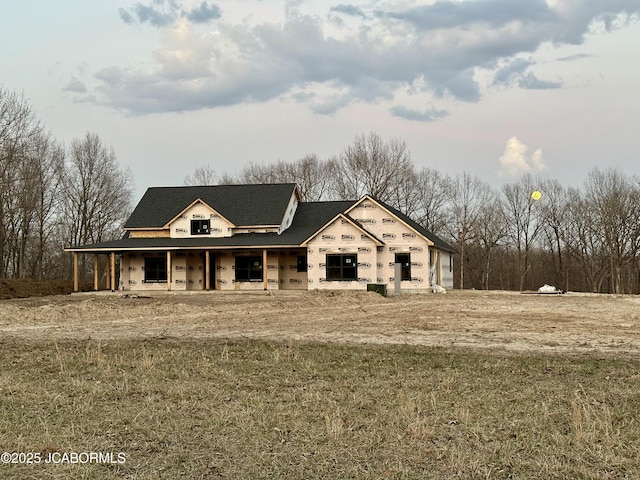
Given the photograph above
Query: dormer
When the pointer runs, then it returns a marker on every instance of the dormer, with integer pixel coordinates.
(290, 212)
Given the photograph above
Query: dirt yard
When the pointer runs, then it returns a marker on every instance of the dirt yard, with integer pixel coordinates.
(570, 323)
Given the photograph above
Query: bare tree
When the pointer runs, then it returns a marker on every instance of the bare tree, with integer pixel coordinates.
(31, 162)
(614, 199)
(370, 165)
(255, 172)
(469, 194)
(490, 229)
(406, 194)
(522, 216)
(203, 175)
(97, 192)
(555, 209)
(433, 192)
(38, 202)
(20, 132)
(584, 242)
(312, 175)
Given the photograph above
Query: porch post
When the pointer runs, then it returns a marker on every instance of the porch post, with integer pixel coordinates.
(113, 271)
(264, 268)
(439, 268)
(207, 270)
(107, 274)
(75, 272)
(169, 270)
(95, 272)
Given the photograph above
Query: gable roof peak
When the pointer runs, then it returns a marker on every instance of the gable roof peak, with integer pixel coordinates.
(251, 204)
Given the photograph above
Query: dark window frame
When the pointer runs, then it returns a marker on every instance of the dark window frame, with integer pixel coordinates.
(200, 227)
(301, 263)
(405, 260)
(342, 267)
(249, 268)
(155, 270)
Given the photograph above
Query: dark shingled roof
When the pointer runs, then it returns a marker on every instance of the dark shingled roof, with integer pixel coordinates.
(313, 215)
(243, 205)
(237, 241)
(308, 219)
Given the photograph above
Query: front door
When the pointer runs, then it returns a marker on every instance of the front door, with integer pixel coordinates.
(212, 272)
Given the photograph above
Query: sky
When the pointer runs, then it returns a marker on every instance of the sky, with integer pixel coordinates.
(496, 88)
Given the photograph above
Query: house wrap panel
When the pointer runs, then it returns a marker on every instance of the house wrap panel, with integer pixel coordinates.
(341, 237)
(195, 271)
(133, 275)
(179, 271)
(225, 271)
(398, 238)
(290, 278)
(218, 226)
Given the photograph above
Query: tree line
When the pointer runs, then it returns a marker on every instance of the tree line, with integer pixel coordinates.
(580, 239)
(52, 194)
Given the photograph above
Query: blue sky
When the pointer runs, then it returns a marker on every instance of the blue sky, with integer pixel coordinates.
(493, 87)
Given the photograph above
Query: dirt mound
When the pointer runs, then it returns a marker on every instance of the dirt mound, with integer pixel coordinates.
(322, 297)
(23, 288)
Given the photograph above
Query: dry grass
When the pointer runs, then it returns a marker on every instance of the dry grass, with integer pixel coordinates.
(250, 409)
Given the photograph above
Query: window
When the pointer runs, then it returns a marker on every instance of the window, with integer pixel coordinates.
(248, 269)
(404, 259)
(342, 267)
(155, 270)
(199, 227)
(301, 263)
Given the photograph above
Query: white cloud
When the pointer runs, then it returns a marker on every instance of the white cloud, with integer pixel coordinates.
(75, 86)
(437, 50)
(515, 161)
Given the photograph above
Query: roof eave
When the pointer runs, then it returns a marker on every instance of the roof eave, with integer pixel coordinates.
(377, 241)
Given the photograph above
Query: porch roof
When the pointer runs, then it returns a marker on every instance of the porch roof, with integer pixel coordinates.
(136, 244)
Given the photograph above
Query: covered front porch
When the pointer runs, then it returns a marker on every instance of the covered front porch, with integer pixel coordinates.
(199, 269)
(110, 272)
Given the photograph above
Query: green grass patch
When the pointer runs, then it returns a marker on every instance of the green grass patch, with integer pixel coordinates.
(248, 409)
